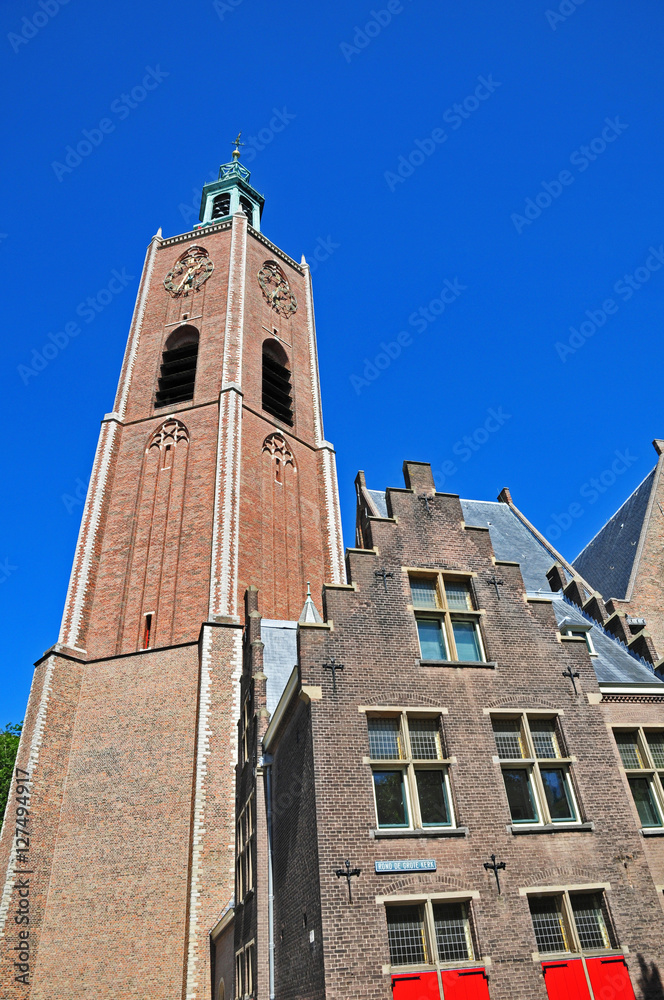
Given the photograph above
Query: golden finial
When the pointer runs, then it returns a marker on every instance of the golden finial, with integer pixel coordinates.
(237, 144)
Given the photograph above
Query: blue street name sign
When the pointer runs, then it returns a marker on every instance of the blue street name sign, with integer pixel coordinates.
(425, 865)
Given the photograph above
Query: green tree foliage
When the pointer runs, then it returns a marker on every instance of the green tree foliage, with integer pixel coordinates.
(8, 749)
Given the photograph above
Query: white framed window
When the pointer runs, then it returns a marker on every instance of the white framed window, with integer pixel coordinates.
(410, 775)
(429, 932)
(447, 622)
(642, 754)
(571, 921)
(535, 771)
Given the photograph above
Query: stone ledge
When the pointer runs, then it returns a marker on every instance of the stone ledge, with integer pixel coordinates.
(553, 828)
(482, 664)
(452, 831)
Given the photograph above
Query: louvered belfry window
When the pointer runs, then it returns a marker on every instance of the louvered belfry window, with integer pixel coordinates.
(277, 383)
(177, 375)
(221, 206)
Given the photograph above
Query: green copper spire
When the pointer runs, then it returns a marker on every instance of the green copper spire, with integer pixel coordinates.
(232, 191)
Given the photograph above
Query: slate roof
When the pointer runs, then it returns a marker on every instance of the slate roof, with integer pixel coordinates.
(607, 561)
(279, 657)
(514, 542)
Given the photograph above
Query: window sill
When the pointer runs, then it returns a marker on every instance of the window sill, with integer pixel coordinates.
(652, 831)
(553, 828)
(490, 664)
(447, 831)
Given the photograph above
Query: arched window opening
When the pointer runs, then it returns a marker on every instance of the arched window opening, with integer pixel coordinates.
(277, 382)
(177, 374)
(221, 206)
(248, 209)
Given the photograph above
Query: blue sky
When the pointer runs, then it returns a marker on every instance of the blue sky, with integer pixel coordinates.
(484, 179)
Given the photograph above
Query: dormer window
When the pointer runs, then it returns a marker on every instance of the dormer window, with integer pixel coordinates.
(277, 382)
(221, 206)
(177, 375)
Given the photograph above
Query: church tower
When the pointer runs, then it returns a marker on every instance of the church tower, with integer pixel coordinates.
(211, 474)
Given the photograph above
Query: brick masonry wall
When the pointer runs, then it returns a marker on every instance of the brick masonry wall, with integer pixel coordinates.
(298, 864)
(44, 750)
(374, 635)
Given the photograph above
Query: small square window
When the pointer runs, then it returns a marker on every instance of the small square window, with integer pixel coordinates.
(545, 740)
(385, 739)
(656, 745)
(509, 739)
(452, 932)
(425, 739)
(458, 595)
(424, 592)
(589, 920)
(406, 936)
(548, 924)
(628, 747)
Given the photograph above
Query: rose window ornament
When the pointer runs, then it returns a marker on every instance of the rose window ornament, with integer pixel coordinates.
(275, 288)
(189, 272)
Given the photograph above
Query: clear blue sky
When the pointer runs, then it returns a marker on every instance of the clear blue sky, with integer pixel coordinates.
(533, 90)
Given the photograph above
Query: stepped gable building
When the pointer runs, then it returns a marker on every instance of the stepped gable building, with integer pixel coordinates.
(212, 473)
(625, 560)
(456, 792)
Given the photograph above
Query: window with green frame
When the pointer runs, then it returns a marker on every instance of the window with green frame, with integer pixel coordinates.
(535, 771)
(447, 622)
(642, 754)
(409, 771)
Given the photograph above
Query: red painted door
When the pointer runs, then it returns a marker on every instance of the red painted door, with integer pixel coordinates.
(416, 986)
(566, 980)
(465, 984)
(609, 978)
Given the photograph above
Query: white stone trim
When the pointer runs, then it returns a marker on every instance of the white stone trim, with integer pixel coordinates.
(135, 330)
(33, 761)
(80, 574)
(333, 513)
(313, 359)
(196, 929)
(225, 530)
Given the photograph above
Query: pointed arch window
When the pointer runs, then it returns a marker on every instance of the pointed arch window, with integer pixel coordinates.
(177, 375)
(277, 390)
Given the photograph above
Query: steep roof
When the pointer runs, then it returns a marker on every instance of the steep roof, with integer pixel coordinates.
(513, 541)
(607, 561)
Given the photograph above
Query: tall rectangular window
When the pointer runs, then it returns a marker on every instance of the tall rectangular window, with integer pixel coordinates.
(447, 622)
(535, 772)
(409, 771)
(642, 755)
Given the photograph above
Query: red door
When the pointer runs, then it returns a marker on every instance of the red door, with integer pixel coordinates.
(416, 986)
(465, 984)
(566, 980)
(609, 978)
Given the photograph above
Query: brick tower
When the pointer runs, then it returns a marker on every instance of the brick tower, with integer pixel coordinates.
(211, 474)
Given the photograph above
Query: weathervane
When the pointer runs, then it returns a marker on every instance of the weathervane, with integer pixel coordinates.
(237, 144)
